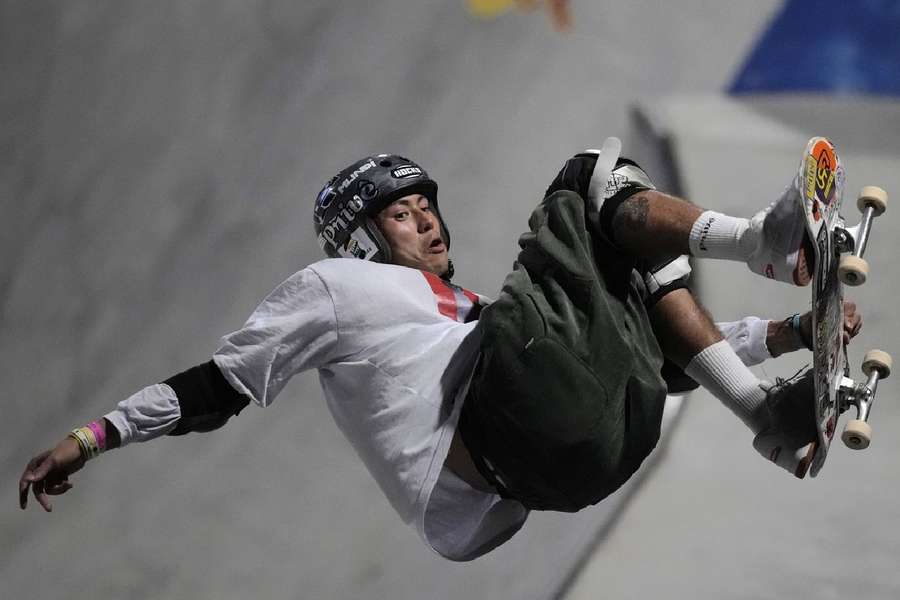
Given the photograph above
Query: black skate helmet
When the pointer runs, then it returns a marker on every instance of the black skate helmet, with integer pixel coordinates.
(345, 210)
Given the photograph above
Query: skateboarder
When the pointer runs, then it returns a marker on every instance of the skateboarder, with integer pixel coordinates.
(469, 413)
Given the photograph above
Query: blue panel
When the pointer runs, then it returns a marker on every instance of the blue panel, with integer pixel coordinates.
(831, 46)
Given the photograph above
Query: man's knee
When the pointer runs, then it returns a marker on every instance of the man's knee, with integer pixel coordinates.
(625, 203)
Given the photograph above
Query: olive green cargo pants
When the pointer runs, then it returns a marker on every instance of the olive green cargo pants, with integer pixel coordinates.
(567, 398)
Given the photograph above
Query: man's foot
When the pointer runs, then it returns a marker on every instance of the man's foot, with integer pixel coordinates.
(783, 248)
(790, 439)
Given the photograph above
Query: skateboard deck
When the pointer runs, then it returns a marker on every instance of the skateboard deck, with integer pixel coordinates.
(821, 181)
(821, 186)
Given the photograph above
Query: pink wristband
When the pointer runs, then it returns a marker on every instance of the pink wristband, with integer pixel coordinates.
(99, 433)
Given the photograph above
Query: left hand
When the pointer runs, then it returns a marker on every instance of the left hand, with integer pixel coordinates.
(852, 323)
(47, 474)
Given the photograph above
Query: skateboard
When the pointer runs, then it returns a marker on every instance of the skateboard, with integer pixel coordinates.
(838, 261)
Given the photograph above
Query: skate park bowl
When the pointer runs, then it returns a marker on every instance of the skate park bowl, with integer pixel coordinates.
(161, 163)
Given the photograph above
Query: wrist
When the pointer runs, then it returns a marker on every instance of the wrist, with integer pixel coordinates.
(70, 450)
(793, 333)
(780, 339)
(804, 330)
(801, 327)
(92, 439)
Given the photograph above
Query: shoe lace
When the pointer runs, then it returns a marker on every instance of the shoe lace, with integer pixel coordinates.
(781, 382)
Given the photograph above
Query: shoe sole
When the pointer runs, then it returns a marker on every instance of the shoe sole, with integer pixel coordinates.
(803, 465)
(806, 258)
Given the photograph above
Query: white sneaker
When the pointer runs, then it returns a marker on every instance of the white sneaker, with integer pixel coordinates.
(790, 439)
(783, 251)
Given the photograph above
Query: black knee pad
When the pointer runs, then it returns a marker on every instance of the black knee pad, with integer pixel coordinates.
(575, 175)
(664, 278)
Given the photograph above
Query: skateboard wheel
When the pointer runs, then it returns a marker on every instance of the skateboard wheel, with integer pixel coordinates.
(873, 196)
(878, 360)
(857, 435)
(853, 270)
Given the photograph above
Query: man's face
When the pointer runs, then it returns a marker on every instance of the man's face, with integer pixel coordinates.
(413, 232)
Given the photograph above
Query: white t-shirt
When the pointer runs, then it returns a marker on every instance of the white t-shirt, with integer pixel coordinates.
(395, 348)
(394, 355)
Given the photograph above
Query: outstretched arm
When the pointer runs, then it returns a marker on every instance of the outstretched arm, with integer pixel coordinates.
(199, 399)
(292, 330)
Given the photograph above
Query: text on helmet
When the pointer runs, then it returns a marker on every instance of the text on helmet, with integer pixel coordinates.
(362, 169)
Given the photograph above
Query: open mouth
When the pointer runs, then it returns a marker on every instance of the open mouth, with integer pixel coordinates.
(436, 246)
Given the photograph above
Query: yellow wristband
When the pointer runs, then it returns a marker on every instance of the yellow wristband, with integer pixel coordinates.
(87, 442)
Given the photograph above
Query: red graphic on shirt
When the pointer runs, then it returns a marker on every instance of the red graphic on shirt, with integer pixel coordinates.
(448, 300)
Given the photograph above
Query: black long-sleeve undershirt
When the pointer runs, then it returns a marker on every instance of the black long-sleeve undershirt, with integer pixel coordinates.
(205, 398)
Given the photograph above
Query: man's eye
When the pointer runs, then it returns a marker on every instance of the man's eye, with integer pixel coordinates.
(401, 215)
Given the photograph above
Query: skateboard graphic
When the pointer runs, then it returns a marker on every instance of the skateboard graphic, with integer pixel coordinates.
(821, 181)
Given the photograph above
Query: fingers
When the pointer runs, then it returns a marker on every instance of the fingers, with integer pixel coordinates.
(41, 496)
(36, 476)
(23, 492)
(29, 476)
(43, 469)
(39, 481)
(60, 487)
(852, 321)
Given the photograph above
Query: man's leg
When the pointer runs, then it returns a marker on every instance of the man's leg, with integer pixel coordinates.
(689, 338)
(780, 416)
(651, 224)
(654, 226)
(647, 223)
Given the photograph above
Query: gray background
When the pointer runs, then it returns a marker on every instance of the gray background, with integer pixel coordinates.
(159, 162)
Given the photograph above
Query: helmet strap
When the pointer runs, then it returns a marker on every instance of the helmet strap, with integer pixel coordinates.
(374, 231)
(448, 274)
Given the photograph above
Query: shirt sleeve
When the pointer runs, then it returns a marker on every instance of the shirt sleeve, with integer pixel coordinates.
(292, 330)
(748, 339)
(145, 415)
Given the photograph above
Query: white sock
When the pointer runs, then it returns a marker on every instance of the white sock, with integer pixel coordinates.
(715, 235)
(718, 369)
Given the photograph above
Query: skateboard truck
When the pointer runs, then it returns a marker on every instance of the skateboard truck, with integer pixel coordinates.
(853, 269)
(876, 366)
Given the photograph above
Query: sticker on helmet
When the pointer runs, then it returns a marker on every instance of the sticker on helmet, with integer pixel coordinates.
(359, 245)
(325, 197)
(334, 231)
(405, 171)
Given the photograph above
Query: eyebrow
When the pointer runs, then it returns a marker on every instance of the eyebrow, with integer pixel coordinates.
(407, 202)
